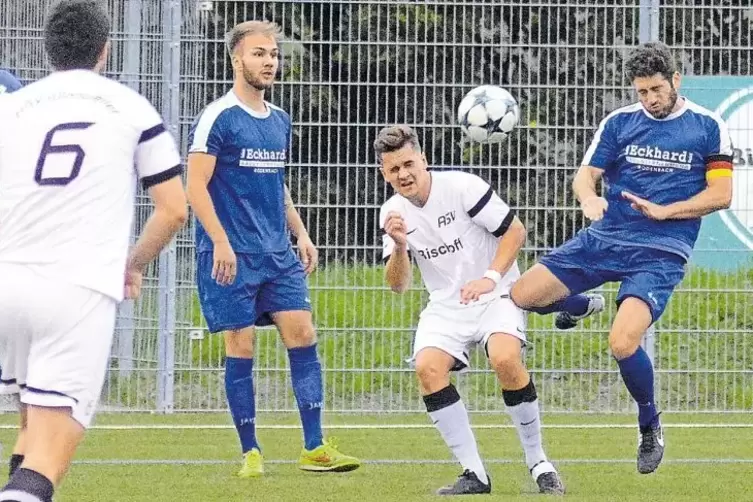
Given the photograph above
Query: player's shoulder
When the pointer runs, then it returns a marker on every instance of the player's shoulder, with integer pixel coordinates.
(394, 203)
(276, 110)
(217, 111)
(113, 94)
(622, 113)
(8, 82)
(706, 116)
(458, 181)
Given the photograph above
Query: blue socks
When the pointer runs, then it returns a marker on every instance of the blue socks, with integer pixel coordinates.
(306, 375)
(638, 374)
(239, 387)
(574, 305)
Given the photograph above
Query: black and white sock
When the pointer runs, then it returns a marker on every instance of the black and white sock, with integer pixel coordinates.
(450, 417)
(523, 407)
(27, 486)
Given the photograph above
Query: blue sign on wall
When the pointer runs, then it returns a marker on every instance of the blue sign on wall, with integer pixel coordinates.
(726, 239)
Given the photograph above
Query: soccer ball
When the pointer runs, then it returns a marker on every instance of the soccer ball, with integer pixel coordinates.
(488, 113)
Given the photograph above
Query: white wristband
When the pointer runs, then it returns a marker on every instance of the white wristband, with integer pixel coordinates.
(493, 275)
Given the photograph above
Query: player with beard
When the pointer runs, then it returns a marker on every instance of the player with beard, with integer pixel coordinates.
(247, 272)
(664, 162)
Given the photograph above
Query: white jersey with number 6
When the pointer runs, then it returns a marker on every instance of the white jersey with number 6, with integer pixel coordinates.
(72, 147)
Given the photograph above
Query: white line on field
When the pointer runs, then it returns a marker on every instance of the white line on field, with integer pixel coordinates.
(129, 427)
(413, 462)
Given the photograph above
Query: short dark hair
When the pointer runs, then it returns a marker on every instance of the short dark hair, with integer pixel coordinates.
(649, 59)
(75, 34)
(394, 138)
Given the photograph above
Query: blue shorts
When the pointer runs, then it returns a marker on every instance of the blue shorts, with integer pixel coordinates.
(264, 284)
(586, 262)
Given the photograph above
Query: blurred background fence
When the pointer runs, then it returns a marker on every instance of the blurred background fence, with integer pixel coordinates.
(352, 67)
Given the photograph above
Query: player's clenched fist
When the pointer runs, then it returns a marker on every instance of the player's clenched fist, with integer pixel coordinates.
(594, 207)
(396, 229)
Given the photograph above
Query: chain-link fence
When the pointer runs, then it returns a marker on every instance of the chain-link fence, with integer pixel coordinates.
(350, 68)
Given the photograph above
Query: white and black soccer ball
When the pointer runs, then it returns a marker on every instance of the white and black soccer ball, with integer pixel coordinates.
(487, 114)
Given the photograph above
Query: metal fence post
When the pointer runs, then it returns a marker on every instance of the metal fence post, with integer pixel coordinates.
(124, 326)
(649, 32)
(168, 259)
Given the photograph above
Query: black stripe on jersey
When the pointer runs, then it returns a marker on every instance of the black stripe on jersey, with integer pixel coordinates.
(719, 158)
(504, 225)
(156, 179)
(483, 201)
(151, 133)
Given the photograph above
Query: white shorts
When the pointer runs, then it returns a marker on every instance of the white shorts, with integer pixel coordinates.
(458, 329)
(55, 341)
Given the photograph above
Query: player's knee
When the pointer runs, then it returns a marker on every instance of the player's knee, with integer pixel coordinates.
(517, 295)
(522, 295)
(508, 366)
(622, 345)
(239, 344)
(505, 361)
(431, 377)
(302, 336)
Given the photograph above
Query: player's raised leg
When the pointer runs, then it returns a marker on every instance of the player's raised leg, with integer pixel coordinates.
(239, 389)
(450, 417)
(555, 283)
(519, 394)
(298, 334)
(572, 309)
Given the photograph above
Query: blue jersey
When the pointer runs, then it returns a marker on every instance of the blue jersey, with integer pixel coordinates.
(248, 185)
(661, 160)
(8, 83)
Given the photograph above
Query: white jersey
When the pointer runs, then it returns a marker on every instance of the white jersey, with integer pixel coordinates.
(68, 146)
(454, 236)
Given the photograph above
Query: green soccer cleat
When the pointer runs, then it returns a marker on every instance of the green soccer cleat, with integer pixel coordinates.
(253, 464)
(327, 458)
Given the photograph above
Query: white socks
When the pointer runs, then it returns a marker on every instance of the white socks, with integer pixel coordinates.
(450, 417)
(523, 407)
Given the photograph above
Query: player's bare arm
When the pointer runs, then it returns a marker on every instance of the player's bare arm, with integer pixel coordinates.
(200, 170)
(510, 244)
(716, 196)
(170, 214)
(584, 186)
(308, 252)
(398, 272)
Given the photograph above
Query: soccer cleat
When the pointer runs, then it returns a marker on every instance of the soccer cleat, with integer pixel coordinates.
(327, 458)
(650, 448)
(566, 320)
(467, 484)
(547, 478)
(253, 464)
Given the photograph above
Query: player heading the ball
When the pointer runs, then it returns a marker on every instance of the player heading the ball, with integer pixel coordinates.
(665, 162)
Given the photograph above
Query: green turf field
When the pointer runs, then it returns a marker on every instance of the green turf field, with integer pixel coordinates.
(182, 462)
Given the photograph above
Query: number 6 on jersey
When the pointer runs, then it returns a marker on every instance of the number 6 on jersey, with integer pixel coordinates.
(49, 149)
